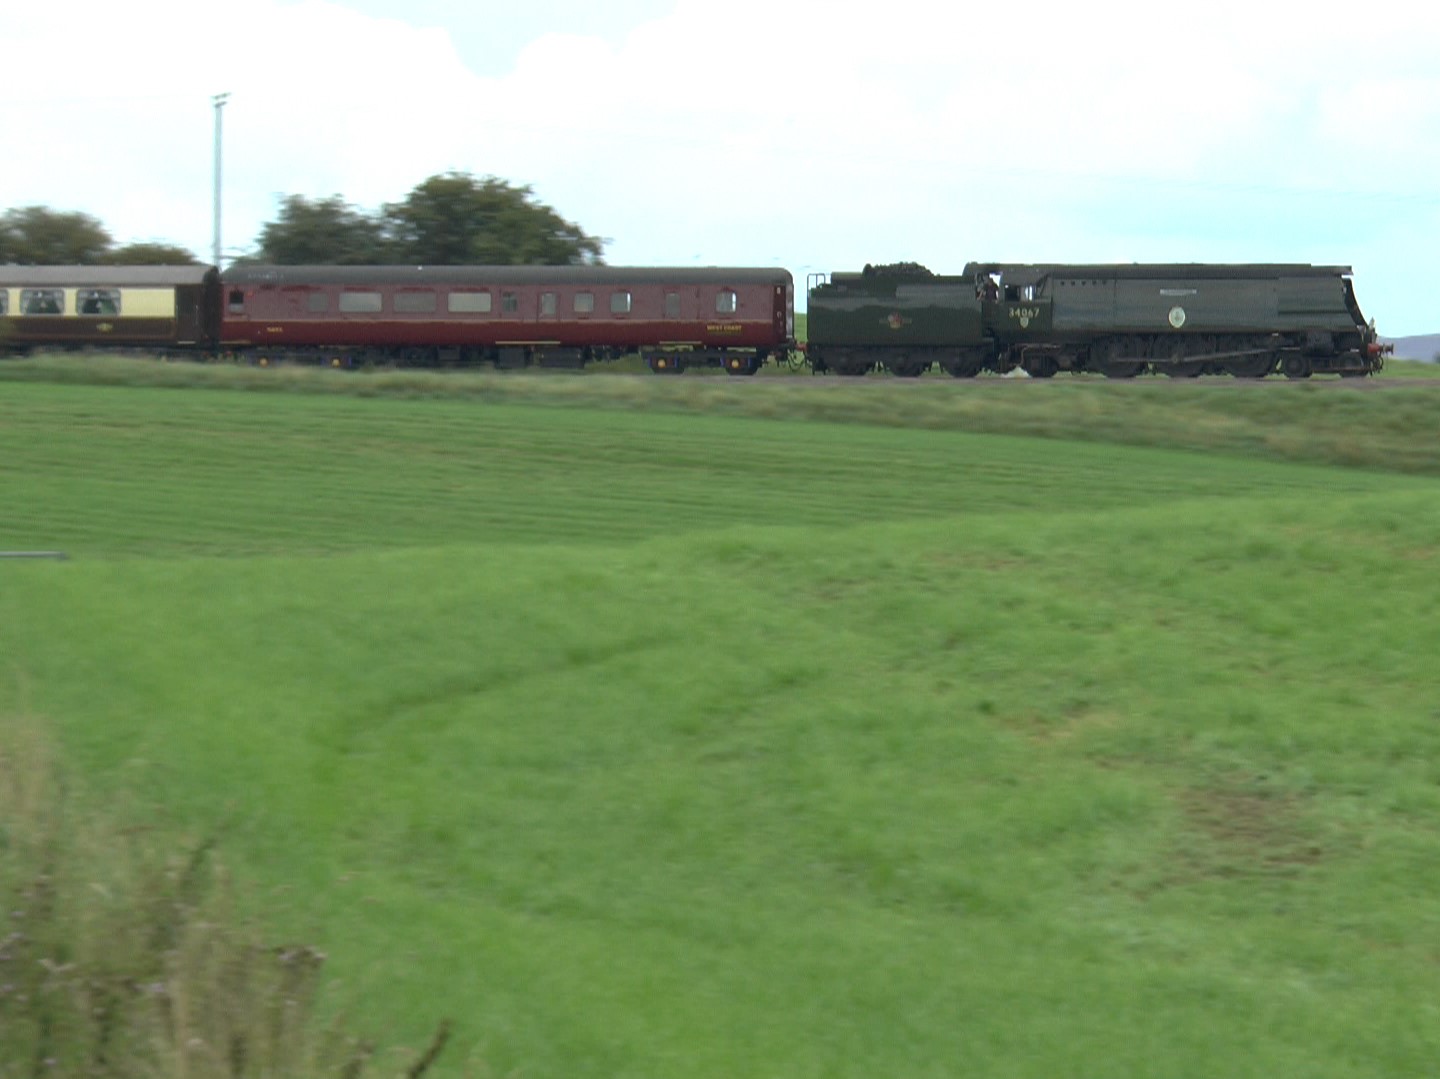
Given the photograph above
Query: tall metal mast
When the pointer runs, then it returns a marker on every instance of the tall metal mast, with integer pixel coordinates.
(219, 102)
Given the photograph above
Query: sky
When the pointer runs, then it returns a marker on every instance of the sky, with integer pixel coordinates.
(817, 136)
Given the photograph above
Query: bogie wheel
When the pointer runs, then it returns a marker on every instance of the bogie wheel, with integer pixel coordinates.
(418, 357)
(665, 365)
(741, 365)
(907, 368)
(961, 368)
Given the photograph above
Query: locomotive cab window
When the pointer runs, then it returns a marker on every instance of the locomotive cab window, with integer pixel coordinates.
(98, 301)
(725, 302)
(469, 303)
(620, 303)
(42, 301)
(584, 303)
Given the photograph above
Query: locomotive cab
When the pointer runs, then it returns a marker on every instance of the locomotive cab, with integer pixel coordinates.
(1015, 301)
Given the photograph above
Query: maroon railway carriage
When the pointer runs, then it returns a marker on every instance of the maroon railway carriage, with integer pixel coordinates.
(512, 316)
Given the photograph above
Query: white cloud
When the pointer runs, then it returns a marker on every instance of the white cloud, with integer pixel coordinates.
(817, 136)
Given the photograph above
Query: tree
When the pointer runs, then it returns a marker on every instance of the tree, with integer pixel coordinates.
(327, 232)
(456, 219)
(452, 219)
(39, 236)
(150, 254)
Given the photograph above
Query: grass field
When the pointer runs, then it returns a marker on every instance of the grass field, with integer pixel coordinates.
(652, 729)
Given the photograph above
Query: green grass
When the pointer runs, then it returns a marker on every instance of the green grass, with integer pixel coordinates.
(1393, 424)
(93, 471)
(648, 742)
(1411, 369)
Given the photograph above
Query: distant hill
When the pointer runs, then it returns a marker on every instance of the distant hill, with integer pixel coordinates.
(1424, 347)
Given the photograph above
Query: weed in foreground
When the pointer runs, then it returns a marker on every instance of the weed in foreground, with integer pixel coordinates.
(119, 960)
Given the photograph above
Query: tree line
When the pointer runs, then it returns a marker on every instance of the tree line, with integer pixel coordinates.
(450, 219)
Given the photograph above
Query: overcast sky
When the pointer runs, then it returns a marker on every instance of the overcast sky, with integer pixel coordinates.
(815, 136)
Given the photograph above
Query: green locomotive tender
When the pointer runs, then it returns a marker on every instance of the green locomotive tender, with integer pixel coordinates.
(1180, 320)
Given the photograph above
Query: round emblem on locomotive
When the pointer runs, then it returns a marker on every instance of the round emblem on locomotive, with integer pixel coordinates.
(1177, 316)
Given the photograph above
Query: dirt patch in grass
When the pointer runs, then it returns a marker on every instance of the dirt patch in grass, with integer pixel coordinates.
(1243, 831)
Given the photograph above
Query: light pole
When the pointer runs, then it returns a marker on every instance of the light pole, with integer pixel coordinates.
(219, 102)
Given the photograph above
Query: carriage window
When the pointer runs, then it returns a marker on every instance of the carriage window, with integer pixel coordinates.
(42, 301)
(547, 303)
(619, 303)
(415, 303)
(317, 303)
(584, 302)
(98, 301)
(360, 303)
(470, 303)
(672, 305)
(725, 302)
(237, 301)
(509, 303)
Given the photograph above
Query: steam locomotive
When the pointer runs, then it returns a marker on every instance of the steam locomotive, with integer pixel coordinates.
(1181, 320)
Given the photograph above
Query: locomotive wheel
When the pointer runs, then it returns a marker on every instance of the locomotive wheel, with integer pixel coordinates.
(1041, 367)
(1252, 368)
(1296, 367)
(1119, 357)
(1169, 354)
